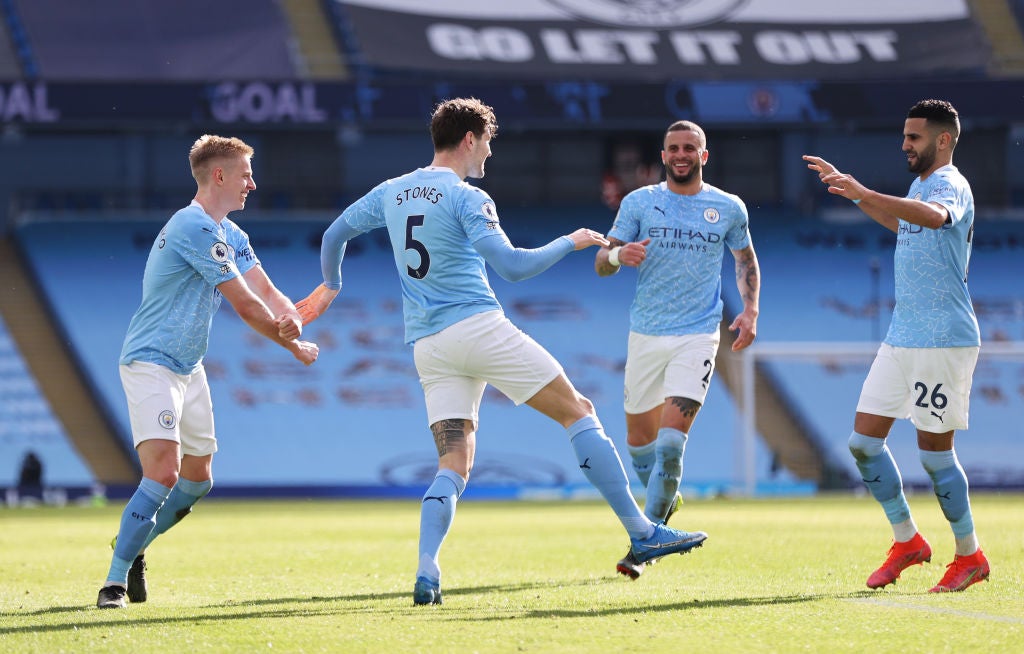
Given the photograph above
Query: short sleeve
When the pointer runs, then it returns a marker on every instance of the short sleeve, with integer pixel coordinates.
(205, 250)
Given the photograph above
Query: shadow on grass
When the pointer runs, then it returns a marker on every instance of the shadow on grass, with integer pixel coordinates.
(288, 607)
(691, 605)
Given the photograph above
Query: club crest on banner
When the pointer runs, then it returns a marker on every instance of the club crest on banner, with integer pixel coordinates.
(650, 13)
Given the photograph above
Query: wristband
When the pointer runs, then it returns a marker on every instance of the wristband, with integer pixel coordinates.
(613, 256)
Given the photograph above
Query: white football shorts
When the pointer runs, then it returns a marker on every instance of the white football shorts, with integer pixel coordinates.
(659, 367)
(931, 386)
(165, 405)
(456, 364)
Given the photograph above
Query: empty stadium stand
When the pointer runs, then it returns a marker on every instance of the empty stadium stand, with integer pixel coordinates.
(131, 41)
(284, 425)
(14, 50)
(314, 40)
(1001, 21)
(55, 390)
(99, 107)
(29, 425)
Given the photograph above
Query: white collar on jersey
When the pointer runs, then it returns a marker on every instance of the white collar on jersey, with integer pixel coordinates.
(439, 168)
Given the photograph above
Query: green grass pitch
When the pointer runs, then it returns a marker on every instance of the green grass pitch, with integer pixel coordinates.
(776, 575)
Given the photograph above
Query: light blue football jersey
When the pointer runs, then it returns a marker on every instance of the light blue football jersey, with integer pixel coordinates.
(679, 284)
(190, 257)
(433, 218)
(933, 306)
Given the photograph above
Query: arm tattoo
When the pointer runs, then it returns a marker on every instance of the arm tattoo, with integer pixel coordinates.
(748, 276)
(448, 434)
(605, 269)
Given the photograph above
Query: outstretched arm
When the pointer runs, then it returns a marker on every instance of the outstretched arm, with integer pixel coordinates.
(332, 251)
(748, 282)
(516, 264)
(886, 210)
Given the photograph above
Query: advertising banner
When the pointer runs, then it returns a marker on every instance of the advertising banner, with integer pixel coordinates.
(670, 39)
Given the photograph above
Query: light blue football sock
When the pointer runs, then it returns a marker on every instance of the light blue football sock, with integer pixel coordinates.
(950, 483)
(667, 473)
(643, 458)
(436, 515)
(137, 521)
(178, 505)
(602, 466)
(881, 476)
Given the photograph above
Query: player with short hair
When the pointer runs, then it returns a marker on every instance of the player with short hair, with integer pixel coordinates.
(199, 257)
(443, 232)
(675, 233)
(924, 367)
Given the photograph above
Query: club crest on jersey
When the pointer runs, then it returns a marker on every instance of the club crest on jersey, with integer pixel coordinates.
(167, 419)
(220, 251)
(711, 215)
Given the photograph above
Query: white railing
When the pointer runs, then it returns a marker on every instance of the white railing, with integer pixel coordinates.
(814, 350)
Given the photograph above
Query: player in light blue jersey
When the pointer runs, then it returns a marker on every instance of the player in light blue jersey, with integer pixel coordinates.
(924, 367)
(199, 257)
(443, 232)
(675, 234)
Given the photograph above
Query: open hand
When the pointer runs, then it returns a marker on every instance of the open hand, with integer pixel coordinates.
(315, 303)
(584, 238)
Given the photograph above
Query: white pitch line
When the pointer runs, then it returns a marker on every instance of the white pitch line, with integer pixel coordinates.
(938, 609)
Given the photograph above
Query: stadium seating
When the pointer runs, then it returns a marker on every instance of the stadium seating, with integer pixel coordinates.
(819, 285)
(130, 41)
(27, 425)
(356, 416)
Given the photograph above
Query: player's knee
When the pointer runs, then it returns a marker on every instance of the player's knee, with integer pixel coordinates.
(933, 462)
(163, 475)
(585, 406)
(864, 447)
(458, 461)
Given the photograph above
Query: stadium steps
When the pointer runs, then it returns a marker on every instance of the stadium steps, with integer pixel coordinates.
(1004, 34)
(10, 55)
(787, 436)
(314, 40)
(62, 383)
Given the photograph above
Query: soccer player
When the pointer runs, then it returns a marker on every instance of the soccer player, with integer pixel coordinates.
(675, 234)
(199, 257)
(443, 231)
(923, 368)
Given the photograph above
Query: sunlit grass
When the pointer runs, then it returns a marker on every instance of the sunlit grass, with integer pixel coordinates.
(336, 576)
